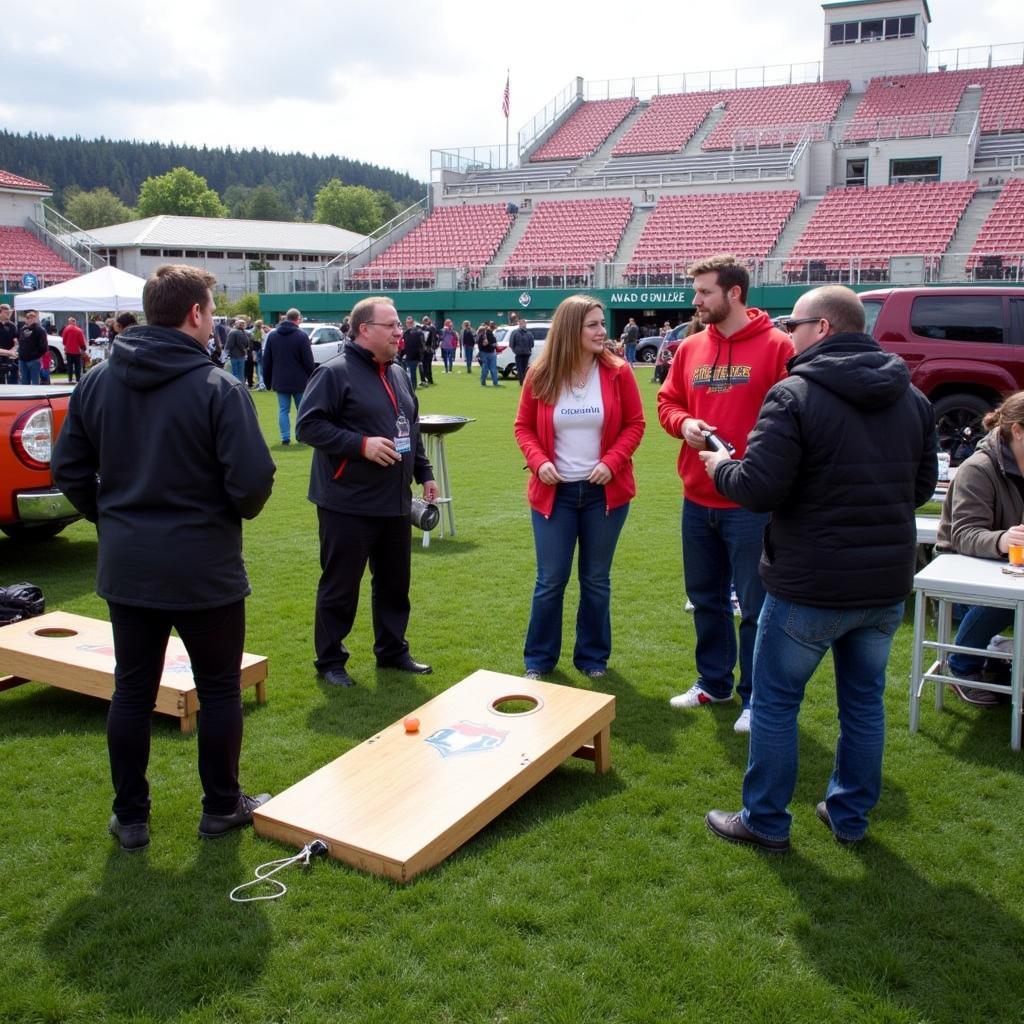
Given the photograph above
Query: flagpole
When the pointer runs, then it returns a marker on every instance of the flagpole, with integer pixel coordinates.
(507, 154)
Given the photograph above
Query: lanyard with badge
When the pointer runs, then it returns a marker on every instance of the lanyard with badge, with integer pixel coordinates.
(403, 433)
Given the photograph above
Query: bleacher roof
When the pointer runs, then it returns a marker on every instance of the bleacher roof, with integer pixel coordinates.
(168, 231)
(16, 181)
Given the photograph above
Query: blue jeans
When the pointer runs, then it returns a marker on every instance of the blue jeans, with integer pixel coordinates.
(467, 351)
(284, 401)
(630, 351)
(411, 368)
(29, 371)
(579, 515)
(791, 641)
(488, 365)
(238, 368)
(448, 359)
(722, 546)
(977, 628)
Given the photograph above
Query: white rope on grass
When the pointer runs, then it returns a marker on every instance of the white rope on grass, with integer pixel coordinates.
(266, 872)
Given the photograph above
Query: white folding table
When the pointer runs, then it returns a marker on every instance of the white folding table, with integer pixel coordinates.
(948, 580)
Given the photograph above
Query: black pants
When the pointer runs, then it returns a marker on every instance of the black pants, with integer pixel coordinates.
(346, 544)
(9, 371)
(74, 366)
(214, 639)
(522, 362)
(427, 367)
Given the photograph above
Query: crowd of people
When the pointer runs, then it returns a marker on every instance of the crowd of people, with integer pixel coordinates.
(804, 453)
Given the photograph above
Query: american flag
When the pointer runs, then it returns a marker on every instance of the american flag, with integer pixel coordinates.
(504, 99)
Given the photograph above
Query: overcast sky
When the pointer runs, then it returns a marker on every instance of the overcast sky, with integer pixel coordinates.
(385, 82)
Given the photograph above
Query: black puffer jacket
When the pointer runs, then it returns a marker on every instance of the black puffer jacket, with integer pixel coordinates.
(181, 461)
(842, 453)
(346, 402)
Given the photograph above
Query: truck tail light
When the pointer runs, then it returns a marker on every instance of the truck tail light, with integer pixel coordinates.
(32, 437)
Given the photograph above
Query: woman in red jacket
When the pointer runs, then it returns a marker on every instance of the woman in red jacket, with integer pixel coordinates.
(580, 419)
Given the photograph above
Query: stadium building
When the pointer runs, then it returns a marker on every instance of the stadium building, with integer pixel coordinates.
(883, 163)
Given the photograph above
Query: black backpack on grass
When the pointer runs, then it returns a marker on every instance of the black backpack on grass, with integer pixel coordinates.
(20, 601)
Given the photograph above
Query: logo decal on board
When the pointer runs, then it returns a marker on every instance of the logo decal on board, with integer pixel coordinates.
(466, 738)
(177, 663)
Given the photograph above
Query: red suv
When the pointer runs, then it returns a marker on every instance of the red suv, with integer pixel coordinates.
(964, 347)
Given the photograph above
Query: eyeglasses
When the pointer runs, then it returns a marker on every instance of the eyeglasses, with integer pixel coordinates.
(394, 325)
(788, 323)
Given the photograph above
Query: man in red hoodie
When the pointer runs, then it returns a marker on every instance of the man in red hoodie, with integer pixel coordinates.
(716, 383)
(74, 345)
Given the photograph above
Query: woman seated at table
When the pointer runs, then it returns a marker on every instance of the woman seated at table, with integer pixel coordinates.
(982, 517)
(580, 419)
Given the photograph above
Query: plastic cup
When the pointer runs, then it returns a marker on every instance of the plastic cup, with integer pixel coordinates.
(1016, 554)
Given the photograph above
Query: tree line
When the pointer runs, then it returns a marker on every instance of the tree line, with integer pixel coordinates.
(248, 182)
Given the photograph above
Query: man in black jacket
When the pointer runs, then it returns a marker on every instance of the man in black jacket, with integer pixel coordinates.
(413, 345)
(8, 346)
(32, 346)
(431, 339)
(842, 453)
(162, 451)
(361, 415)
(521, 342)
(287, 364)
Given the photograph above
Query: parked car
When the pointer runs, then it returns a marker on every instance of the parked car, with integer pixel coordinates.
(647, 348)
(666, 350)
(506, 358)
(326, 340)
(31, 508)
(964, 347)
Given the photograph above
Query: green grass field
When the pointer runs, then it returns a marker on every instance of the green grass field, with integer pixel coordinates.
(592, 898)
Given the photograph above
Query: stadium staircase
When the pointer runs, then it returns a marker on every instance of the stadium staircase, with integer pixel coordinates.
(970, 102)
(519, 227)
(634, 229)
(693, 147)
(593, 163)
(954, 263)
(788, 238)
(846, 109)
(1000, 153)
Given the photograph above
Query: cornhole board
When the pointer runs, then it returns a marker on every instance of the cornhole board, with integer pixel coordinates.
(77, 653)
(399, 803)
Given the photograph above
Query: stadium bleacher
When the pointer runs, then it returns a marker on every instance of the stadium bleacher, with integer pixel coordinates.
(874, 224)
(22, 253)
(682, 228)
(585, 129)
(998, 250)
(565, 238)
(787, 108)
(668, 123)
(452, 236)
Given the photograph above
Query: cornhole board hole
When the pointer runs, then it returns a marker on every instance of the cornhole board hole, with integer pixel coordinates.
(401, 802)
(77, 653)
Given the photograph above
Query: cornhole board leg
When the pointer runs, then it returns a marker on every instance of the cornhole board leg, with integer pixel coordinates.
(10, 682)
(600, 751)
(399, 803)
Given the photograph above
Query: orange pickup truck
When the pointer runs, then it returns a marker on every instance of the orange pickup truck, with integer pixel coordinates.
(31, 508)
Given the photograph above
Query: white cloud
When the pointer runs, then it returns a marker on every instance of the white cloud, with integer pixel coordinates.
(387, 82)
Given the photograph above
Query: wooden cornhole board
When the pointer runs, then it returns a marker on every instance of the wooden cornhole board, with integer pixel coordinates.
(400, 802)
(77, 653)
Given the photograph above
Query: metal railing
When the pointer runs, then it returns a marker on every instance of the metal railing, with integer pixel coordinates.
(648, 86)
(537, 125)
(78, 247)
(11, 282)
(467, 159)
(366, 244)
(968, 57)
(933, 268)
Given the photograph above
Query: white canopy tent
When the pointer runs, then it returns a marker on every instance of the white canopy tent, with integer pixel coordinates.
(105, 290)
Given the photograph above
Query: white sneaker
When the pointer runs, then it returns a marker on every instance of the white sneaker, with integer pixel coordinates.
(695, 697)
(743, 722)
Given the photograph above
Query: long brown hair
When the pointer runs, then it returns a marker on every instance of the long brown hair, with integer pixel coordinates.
(559, 358)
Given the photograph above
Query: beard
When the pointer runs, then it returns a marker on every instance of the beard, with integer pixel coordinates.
(714, 315)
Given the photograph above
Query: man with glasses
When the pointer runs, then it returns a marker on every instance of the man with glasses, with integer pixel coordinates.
(361, 415)
(842, 453)
(716, 382)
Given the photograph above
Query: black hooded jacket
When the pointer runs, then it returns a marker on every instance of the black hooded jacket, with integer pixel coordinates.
(162, 450)
(842, 453)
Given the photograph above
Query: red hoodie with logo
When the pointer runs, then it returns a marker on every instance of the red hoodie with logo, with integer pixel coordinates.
(722, 381)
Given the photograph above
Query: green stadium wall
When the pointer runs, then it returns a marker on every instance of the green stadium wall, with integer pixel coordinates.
(496, 305)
